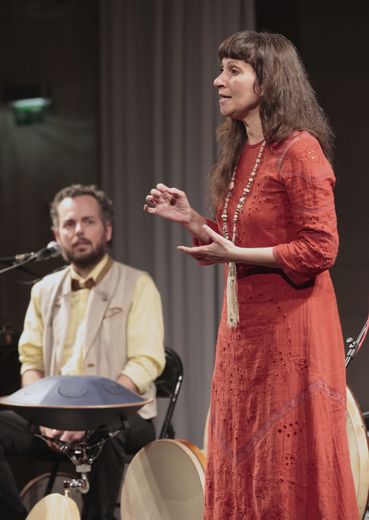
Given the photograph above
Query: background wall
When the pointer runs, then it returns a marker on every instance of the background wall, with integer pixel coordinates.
(159, 111)
(55, 45)
(77, 48)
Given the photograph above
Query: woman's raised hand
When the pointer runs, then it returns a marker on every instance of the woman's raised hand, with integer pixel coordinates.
(173, 205)
(169, 203)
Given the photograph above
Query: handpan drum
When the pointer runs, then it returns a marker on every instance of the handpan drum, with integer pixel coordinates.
(74, 402)
(164, 481)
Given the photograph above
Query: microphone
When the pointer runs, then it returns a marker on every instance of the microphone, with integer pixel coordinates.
(50, 251)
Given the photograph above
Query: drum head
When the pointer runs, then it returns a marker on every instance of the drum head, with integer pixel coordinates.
(55, 507)
(359, 452)
(35, 489)
(164, 481)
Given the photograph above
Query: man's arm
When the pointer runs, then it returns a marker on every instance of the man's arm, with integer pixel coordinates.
(145, 337)
(30, 342)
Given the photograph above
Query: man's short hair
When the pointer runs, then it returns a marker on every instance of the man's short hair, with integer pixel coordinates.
(78, 190)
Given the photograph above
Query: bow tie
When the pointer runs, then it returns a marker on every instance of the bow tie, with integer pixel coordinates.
(76, 285)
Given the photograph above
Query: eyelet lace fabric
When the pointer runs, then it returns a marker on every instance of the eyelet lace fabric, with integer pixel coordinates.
(277, 430)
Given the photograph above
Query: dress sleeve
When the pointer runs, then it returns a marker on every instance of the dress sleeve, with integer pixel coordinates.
(308, 180)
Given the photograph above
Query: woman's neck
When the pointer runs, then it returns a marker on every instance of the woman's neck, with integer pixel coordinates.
(254, 129)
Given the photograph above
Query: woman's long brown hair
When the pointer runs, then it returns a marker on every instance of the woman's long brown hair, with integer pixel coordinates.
(288, 102)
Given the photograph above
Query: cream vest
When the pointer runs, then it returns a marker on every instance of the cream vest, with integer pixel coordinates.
(106, 319)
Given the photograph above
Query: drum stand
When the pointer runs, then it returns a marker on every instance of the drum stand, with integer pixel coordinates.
(93, 404)
(356, 425)
(82, 455)
(355, 345)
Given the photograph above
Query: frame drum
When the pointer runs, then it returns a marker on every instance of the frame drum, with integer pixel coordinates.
(164, 481)
(55, 507)
(35, 489)
(359, 452)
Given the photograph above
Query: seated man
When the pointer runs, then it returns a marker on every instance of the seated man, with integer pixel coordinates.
(95, 317)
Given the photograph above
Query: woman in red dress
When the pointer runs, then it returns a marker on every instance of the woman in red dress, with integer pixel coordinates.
(277, 432)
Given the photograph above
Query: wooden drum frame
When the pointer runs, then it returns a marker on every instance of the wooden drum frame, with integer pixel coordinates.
(164, 481)
(359, 452)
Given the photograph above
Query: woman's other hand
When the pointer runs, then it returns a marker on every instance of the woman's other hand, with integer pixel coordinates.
(222, 250)
(219, 251)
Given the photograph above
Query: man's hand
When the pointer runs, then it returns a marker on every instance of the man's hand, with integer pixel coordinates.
(128, 383)
(65, 436)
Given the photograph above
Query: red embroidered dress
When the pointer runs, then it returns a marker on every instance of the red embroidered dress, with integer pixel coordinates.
(277, 430)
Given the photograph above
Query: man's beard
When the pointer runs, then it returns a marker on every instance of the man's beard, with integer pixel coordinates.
(85, 261)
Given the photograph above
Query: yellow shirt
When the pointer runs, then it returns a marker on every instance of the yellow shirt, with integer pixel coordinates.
(72, 363)
(145, 362)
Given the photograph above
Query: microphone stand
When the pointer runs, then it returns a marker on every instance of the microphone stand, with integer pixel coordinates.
(51, 250)
(18, 264)
(355, 345)
(21, 268)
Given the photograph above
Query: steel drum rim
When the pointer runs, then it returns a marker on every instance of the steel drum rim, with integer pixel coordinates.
(138, 404)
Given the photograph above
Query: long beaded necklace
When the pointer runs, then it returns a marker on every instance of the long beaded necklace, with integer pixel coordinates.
(233, 316)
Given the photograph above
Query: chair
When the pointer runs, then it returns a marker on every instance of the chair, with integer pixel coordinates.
(168, 386)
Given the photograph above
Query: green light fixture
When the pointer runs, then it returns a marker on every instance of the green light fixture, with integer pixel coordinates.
(29, 111)
(27, 103)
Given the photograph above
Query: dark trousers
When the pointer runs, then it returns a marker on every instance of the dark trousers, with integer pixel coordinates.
(17, 438)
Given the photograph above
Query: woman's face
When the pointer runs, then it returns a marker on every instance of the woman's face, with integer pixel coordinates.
(238, 88)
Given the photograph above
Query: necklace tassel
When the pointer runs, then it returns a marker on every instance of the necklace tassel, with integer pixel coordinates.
(233, 316)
